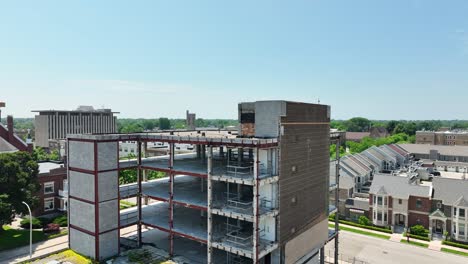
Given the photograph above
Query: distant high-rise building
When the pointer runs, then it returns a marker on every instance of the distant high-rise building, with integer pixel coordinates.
(56, 124)
(190, 120)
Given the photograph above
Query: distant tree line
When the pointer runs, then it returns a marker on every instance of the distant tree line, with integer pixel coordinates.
(360, 124)
(127, 125)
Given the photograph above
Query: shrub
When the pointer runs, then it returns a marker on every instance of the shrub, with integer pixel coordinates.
(425, 238)
(44, 220)
(36, 223)
(52, 228)
(454, 244)
(380, 229)
(61, 220)
(419, 230)
(331, 217)
(139, 255)
(363, 220)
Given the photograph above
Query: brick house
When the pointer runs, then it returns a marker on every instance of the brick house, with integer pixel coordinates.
(450, 208)
(52, 195)
(399, 201)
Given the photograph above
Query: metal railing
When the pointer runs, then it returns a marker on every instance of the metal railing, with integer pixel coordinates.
(239, 170)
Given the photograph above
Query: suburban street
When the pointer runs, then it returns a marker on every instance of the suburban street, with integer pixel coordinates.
(379, 251)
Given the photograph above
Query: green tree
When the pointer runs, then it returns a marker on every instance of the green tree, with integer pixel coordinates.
(164, 123)
(18, 182)
(391, 126)
(363, 220)
(358, 124)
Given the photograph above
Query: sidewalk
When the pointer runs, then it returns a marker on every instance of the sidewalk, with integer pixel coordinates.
(435, 245)
(39, 249)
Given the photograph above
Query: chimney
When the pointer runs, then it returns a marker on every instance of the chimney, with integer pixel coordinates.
(10, 128)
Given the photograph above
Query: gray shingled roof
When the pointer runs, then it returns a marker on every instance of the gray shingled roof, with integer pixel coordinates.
(5, 146)
(443, 150)
(398, 186)
(449, 190)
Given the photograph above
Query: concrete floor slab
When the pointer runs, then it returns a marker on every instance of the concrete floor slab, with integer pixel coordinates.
(187, 190)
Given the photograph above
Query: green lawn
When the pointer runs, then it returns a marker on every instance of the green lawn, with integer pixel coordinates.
(125, 205)
(362, 232)
(12, 238)
(448, 250)
(414, 243)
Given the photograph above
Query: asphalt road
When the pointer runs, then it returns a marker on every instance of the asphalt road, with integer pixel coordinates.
(380, 251)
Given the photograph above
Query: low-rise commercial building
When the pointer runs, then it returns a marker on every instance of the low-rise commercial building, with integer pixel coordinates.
(449, 138)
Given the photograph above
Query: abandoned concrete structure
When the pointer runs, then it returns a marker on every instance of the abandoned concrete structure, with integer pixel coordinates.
(258, 197)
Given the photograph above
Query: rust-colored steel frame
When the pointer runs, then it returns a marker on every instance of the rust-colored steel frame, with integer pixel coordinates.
(139, 167)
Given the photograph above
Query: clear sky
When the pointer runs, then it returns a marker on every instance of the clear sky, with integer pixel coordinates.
(378, 59)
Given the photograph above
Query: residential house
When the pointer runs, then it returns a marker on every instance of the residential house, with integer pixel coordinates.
(399, 201)
(53, 194)
(450, 208)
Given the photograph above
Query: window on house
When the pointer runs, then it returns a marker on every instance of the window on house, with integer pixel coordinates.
(48, 187)
(375, 199)
(454, 211)
(400, 201)
(418, 204)
(375, 215)
(461, 229)
(454, 228)
(385, 217)
(461, 212)
(379, 200)
(49, 204)
(379, 217)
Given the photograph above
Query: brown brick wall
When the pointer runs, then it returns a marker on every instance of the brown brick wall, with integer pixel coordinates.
(304, 146)
(414, 217)
(57, 176)
(426, 204)
(248, 129)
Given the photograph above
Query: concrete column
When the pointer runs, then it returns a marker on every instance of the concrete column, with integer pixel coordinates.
(240, 156)
(94, 196)
(139, 194)
(198, 148)
(171, 199)
(256, 219)
(210, 202)
(203, 152)
(221, 151)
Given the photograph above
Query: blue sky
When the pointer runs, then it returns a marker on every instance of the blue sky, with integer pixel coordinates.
(378, 59)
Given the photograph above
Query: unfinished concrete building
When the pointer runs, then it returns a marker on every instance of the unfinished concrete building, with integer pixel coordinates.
(257, 197)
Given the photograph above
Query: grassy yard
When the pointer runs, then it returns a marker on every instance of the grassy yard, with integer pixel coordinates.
(448, 250)
(12, 238)
(362, 232)
(414, 243)
(66, 256)
(125, 205)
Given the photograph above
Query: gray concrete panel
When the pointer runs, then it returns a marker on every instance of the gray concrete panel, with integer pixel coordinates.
(108, 215)
(81, 155)
(267, 117)
(82, 243)
(109, 244)
(82, 215)
(81, 185)
(107, 155)
(108, 185)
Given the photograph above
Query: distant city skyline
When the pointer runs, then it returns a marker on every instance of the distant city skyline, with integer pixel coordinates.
(400, 60)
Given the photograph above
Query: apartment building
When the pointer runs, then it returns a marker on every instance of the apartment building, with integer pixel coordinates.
(399, 201)
(57, 124)
(449, 138)
(450, 208)
(53, 194)
(259, 197)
